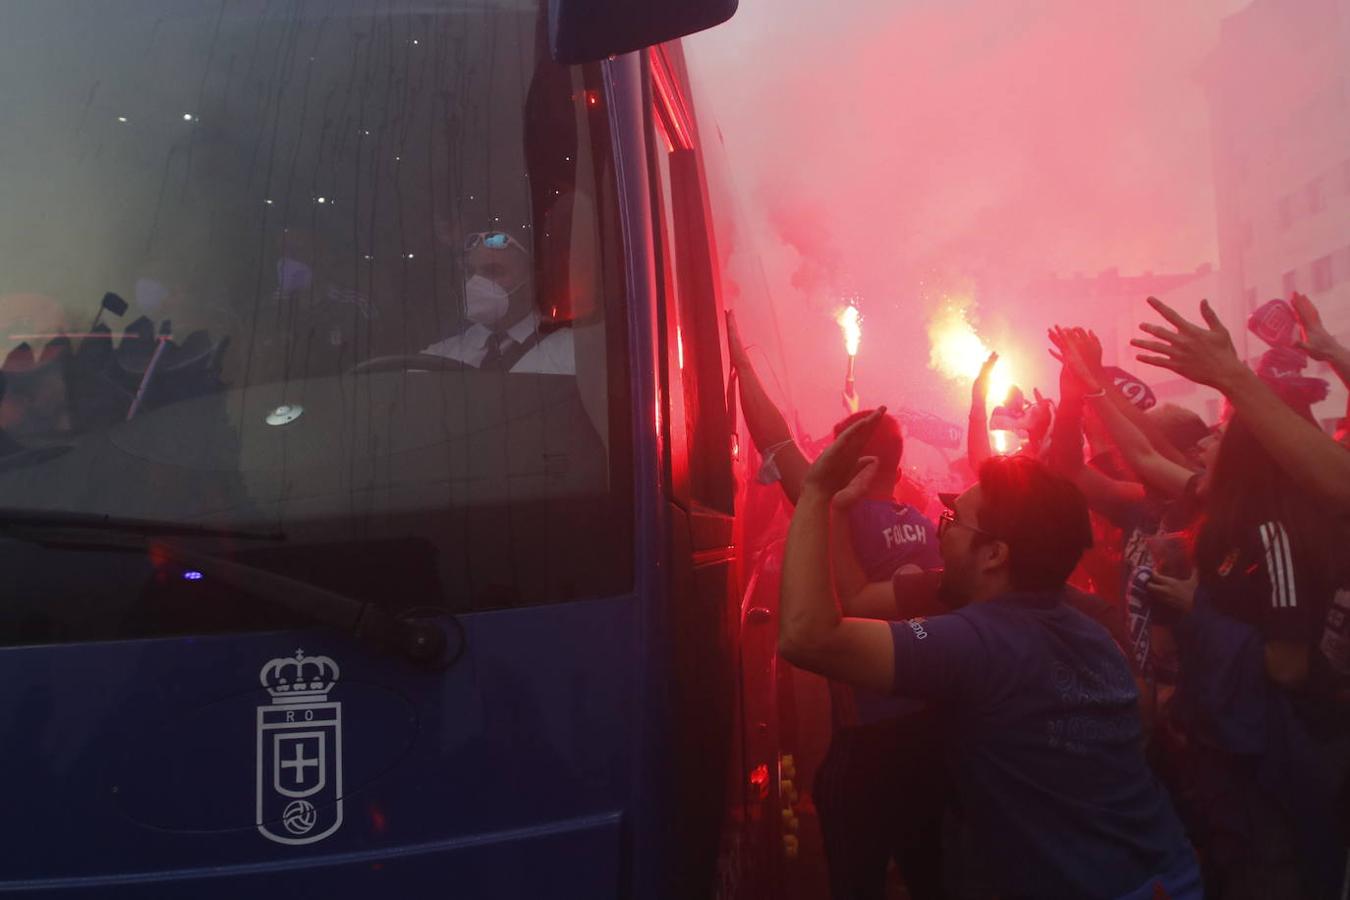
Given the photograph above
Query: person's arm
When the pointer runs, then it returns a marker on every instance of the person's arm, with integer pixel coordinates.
(874, 601)
(849, 576)
(1153, 468)
(978, 448)
(1088, 358)
(812, 633)
(1206, 356)
(1104, 494)
(1066, 435)
(1039, 417)
(911, 592)
(1318, 343)
(768, 428)
(1288, 615)
(1107, 495)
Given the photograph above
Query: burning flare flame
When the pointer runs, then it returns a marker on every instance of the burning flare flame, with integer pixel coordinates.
(958, 353)
(850, 323)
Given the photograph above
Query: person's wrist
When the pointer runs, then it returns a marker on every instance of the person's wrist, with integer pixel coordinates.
(1338, 355)
(841, 502)
(815, 493)
(1233, 375)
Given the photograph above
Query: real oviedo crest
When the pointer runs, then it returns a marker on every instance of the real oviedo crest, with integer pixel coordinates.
(299, 751)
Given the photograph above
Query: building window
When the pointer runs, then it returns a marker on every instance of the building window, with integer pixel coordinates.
(1315, 204)
(1286, 211)
(1290, 282)
(1321, 274)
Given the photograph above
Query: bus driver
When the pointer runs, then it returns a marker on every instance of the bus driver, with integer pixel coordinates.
(503, 329)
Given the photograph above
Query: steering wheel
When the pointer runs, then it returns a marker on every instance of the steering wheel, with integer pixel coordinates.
(408, 362)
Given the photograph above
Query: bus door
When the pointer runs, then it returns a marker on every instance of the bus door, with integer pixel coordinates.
(704, 612)
(316, 518)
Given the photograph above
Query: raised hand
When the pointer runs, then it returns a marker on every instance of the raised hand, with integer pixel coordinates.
(856, 489)
(1317, 341)
(1090, 348)
(980, 389)
(735, 346)
(841, 468)
(1039, 417)
(1203, 355)
(1080, 356)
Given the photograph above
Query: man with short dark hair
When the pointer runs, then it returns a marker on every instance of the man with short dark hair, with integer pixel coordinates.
(1045, 739)
(887, 535)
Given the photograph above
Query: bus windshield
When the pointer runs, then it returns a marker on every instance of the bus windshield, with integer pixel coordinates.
(344, 272)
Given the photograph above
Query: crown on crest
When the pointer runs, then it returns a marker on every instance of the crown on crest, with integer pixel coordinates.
(299, 678)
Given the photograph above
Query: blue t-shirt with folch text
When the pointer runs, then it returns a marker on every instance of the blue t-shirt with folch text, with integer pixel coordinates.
(886, 536)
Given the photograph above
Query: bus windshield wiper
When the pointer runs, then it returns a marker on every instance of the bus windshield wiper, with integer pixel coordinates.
(419, 641)
(18, 520)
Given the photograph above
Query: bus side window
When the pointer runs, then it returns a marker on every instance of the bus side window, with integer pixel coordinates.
(698, 420)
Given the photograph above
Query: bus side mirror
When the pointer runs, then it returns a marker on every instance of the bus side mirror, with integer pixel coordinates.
(582, 31)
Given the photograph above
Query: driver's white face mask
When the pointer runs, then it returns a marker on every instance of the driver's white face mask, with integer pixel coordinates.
(485, 301)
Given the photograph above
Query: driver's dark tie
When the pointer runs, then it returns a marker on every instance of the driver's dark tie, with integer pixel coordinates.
(493, 357)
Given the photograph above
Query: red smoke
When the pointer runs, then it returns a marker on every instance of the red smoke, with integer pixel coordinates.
(911, 150)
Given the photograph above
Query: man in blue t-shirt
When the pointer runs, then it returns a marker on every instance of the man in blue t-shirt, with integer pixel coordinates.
(1045, 740)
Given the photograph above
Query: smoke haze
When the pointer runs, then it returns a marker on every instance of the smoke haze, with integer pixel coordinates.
(920, 150)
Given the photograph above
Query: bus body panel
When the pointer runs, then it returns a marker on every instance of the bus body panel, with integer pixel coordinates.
(145, 755)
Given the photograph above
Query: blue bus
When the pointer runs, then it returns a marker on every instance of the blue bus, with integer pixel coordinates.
(368, 473)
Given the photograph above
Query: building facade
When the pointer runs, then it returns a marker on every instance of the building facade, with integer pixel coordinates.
(1278, 87)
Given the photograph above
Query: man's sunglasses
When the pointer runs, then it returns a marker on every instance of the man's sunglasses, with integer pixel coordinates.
(493, 240)
(948, 518)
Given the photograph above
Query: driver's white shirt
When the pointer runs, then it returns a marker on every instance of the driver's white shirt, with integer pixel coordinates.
(553, 355)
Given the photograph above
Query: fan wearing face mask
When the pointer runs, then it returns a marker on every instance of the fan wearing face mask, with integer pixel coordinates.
(502, 331)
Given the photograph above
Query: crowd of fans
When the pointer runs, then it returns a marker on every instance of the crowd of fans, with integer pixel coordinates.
(1119, 665)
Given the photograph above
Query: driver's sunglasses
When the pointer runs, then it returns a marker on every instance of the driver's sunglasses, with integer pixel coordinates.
(493, 240)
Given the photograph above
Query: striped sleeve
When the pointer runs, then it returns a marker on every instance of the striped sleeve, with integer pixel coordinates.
(1284, 613)
(1279, 566)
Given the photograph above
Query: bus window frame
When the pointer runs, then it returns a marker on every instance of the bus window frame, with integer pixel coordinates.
(698, 420)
